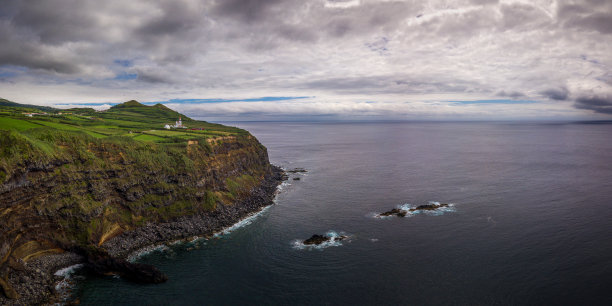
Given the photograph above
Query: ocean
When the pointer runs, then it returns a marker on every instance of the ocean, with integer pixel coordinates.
(530, 221)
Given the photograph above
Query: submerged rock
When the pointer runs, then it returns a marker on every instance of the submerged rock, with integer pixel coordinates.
(296, 170)
(296, 178)
(318, 239)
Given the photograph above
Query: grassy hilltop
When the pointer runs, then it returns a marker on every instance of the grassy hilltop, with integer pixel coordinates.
(130, 119)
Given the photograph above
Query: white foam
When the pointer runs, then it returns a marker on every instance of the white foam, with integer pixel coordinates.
(378, 216)
(282, 186)
(244, 222)
(63, 286)
(332, 242)
(407, 207)
(147, 250)
(67, 271)
(194, 239)
(436, 212)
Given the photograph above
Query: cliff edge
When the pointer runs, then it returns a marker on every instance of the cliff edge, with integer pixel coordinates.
(79, 182)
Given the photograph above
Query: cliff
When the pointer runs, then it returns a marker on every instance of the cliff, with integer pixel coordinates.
(109, 182)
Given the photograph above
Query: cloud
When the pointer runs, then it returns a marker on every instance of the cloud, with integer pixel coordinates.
(152, 76)
(389, 52)
(511, 94)
(589, 15)
(248, 11)
(600, 104)
(559, 94)
(17, 52)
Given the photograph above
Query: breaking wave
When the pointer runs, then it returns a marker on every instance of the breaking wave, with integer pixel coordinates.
(282, 186)
(244, 222)
(436, 212)
(407, 207)
(65, 286)
(146, 251)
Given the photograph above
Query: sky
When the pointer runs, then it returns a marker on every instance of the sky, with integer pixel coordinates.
(314, 59)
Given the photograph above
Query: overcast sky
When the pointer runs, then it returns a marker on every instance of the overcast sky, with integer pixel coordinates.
(329, 59)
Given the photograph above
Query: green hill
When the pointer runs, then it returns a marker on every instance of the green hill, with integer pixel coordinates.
(6, 103)
(130, 119)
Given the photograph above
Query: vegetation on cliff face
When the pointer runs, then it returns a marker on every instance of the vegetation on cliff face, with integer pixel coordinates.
(80, 177)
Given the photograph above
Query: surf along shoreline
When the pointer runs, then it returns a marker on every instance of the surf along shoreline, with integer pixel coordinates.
(39, 280)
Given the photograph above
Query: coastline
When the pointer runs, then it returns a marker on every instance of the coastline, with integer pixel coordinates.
(37, 280)
(199, 225)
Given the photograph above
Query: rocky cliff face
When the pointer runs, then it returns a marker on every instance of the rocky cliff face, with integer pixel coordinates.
(114, 196)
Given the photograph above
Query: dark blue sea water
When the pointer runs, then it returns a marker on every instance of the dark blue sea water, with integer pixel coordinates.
(531, 221)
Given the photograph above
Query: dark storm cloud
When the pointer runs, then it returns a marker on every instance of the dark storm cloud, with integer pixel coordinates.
(56, 21)
(589, 15)
(600, 104)
(152, 77)
(559, 94)
(17, 52)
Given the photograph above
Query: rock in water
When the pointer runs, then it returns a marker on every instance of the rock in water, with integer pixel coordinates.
(104, 264)
(429, 207)
(402, 213)
(395, 211)
(316, 239)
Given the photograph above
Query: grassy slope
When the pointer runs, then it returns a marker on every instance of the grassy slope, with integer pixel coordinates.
(132, 119)
(128, 138)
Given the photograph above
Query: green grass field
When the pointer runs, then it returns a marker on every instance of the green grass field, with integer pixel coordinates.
(131, 119)
(15, 124)
(145, 137)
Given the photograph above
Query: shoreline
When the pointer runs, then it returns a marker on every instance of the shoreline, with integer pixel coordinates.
(37, 280)
(140, 252)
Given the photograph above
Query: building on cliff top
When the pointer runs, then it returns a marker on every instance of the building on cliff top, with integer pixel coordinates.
(177, 125)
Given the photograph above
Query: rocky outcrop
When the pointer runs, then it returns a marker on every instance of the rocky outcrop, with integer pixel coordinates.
(429, 207)
(402, 213)
(318, 239)
(102, 263)
(394, 212)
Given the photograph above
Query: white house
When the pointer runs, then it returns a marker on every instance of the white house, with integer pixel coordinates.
(177, 125)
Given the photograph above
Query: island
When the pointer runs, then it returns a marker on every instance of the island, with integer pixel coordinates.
(85, 186)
